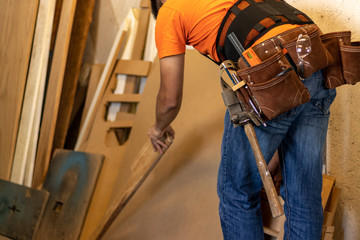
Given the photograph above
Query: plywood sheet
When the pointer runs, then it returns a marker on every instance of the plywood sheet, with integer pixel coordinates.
(21, 209)
(178, 200)
(17, 23)
(70, 181)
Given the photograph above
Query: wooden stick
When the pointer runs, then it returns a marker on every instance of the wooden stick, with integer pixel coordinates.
(275, 206)
(145, 162)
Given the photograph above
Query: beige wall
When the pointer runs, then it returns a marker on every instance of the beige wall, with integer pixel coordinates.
(108, 17)
(343, 148)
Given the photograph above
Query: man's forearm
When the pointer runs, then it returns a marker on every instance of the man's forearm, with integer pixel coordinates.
(166, 112)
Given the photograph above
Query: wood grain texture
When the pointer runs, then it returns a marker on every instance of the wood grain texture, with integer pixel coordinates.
(275, 206)
(82, 20)
(21, 209)
(53, 92)
(35, 82)
(143, 165)
(71, 180)
(16, 35)
(328, 183)
(96, 71)
(104, 80)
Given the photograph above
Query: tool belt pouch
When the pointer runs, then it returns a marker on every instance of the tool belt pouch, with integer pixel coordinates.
(275, 85)
(334, 74)
(350, 58)
(317, 59)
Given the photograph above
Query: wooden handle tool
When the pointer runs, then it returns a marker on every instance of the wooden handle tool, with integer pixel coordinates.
(144, 163)
(275, 205)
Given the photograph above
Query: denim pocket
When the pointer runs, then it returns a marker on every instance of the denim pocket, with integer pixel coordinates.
(324, 104)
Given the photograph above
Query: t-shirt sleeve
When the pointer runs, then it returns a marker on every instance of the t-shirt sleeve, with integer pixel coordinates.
(170, 34)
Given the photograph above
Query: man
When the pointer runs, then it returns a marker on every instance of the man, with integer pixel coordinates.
(300, 133)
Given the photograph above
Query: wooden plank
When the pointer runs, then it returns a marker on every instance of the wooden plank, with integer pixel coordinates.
(52, 99)
(35, 82)
(82, 20)
(328, 233)
(133, 67)
(331, 206)
(129, 97)
(20, 210)
(143, 165)
(71, 181)
(328, 183)
(17, 31)
(120, 124)
(105, 76)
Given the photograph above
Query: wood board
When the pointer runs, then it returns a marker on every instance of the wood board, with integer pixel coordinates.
(53, 92)
(17, 31)
(82, 20)
(21, 209)
(35, 83)
(71, 180)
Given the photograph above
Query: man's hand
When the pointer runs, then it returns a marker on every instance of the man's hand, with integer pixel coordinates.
(158, 137)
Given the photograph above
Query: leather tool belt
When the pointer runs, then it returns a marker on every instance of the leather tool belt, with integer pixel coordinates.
(346, 55)
(275, 82)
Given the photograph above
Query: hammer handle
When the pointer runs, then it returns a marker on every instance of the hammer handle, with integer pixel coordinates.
(275, 206)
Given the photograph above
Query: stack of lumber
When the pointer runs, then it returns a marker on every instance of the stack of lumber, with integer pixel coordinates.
(42, 67)
(330, 195)
(45, 43)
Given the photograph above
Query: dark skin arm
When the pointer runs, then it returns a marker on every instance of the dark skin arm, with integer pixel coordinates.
(168, 100)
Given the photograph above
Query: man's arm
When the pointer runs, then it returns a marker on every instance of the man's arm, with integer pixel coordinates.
(168, 99)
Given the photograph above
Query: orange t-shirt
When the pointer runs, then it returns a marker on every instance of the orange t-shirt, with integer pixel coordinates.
(195, 23)
(189, 22)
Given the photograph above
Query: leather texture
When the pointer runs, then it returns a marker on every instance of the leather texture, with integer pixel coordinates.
(275, 86)
(334, 74)
(350, 58)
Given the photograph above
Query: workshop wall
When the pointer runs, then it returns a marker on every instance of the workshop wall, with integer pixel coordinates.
(343, 147)
(146, 215)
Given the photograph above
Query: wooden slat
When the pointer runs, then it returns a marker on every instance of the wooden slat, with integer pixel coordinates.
(70, 181)
(53, 92)
(143, 165)
(271, 232)
(120, 124)
(17, 24)
(331, 206)
(82, 20)
(21, 209)
(328, 183)
(130, 97)
(35, 82)
(133, 67)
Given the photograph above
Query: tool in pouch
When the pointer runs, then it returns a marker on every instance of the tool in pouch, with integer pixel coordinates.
(244, 110)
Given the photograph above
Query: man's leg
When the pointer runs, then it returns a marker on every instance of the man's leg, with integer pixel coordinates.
(302, 150)
(239, 181)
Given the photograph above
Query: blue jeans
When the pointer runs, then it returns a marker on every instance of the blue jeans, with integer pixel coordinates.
(301, 133)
